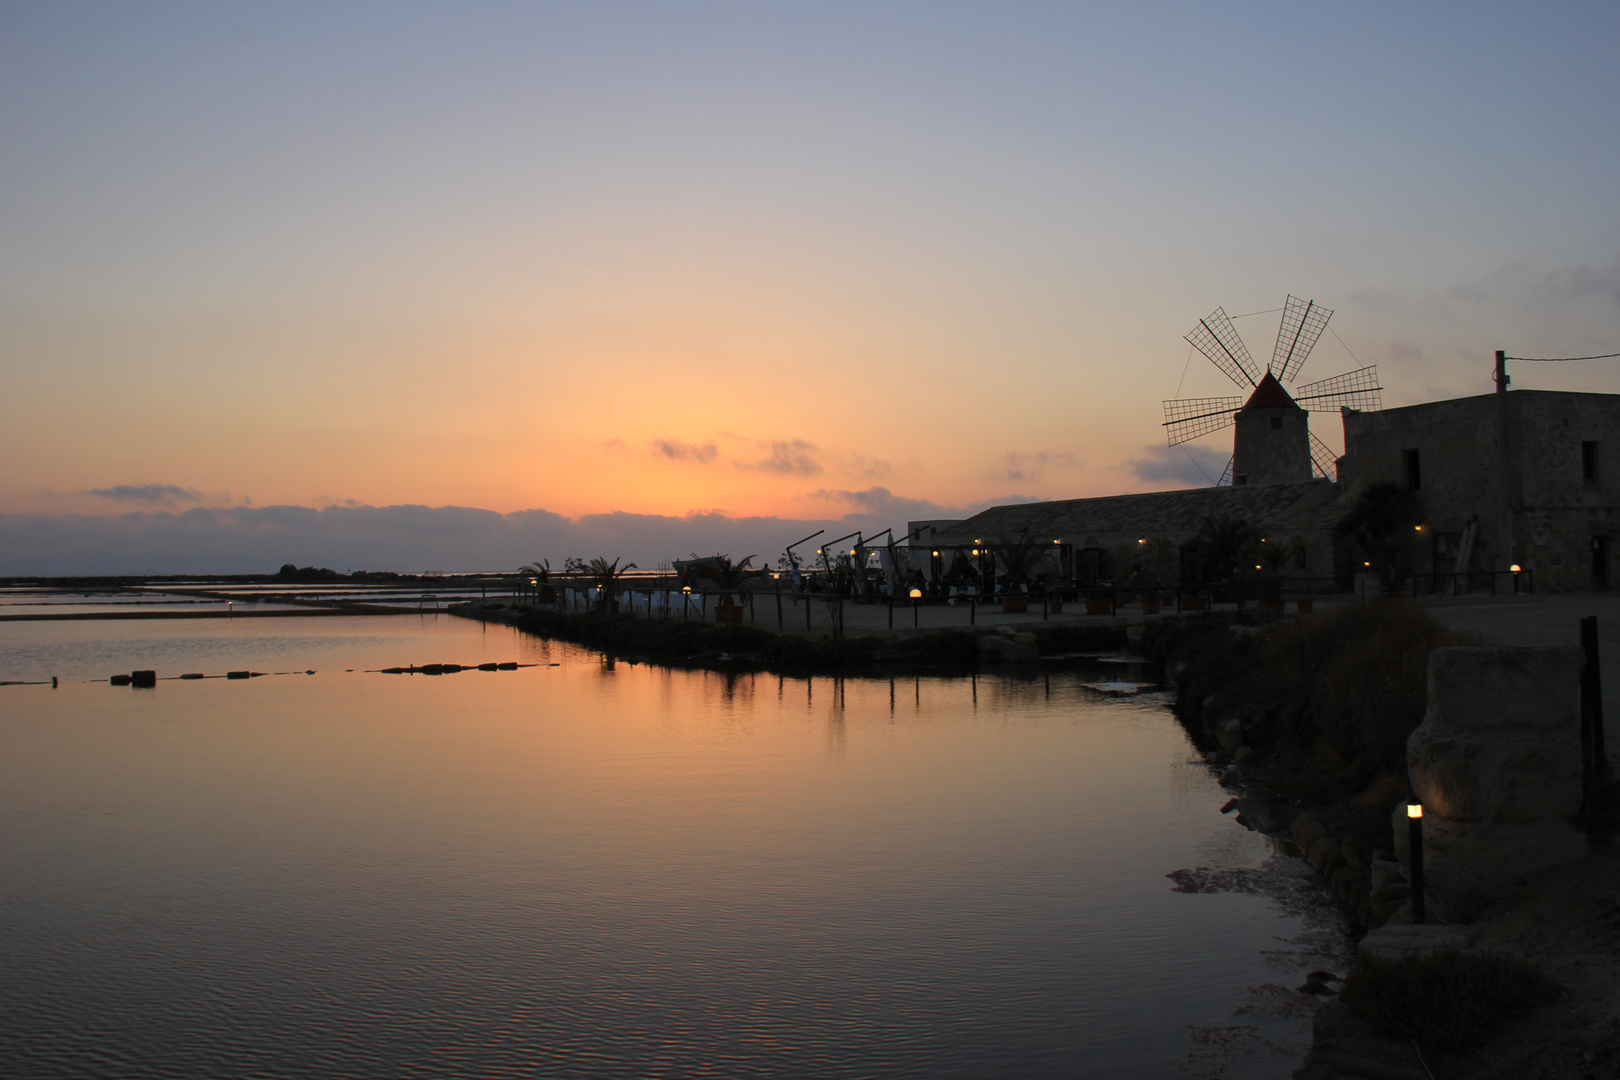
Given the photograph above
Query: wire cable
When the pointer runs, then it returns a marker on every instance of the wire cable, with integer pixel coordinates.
(1268, 311)
(1559, 359)
(1197, 466)
(1184, 367)
(1342, 345)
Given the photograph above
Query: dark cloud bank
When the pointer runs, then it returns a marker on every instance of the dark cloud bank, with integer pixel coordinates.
(246, 539)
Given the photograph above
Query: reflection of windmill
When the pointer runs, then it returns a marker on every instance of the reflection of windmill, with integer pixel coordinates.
(1292, 451)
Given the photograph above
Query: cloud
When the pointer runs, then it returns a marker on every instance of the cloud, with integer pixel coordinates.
(675, 450)
(1579, 282)
(414, 538)
(1032, 466)
(875, 502)
(246, 540)
(880, 506)
(790, 458)
(867, 468)
(1184, 465)
(151, 494)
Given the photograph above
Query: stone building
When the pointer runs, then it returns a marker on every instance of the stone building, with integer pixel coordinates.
(1548, 500)
(1558, 478)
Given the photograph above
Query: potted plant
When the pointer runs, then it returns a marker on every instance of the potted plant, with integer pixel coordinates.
(605, 576)
(539, 573)
(728, 577)
(1015, 557)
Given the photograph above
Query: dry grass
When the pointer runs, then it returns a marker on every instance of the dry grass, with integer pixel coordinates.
(1361, 673)
(1446, 998)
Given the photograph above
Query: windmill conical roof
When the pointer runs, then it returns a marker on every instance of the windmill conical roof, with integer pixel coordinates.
(1269, 394)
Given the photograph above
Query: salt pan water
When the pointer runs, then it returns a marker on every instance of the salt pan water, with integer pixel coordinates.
(587, 868)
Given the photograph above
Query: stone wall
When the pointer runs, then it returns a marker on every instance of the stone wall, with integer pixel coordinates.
(1556, 510)
(1497, 766)
(1271, 446)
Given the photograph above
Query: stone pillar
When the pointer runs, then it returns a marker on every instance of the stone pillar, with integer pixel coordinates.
(1497, 766)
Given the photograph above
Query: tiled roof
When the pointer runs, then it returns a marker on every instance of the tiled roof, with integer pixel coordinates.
(1314, 504)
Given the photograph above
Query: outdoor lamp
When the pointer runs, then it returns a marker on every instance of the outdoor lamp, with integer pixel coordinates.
(687, 589)
(1515, 568)
(916, 594)
(1414, 845)
(936, 554)
(532, 581)
(1417, 528)
(975, 552)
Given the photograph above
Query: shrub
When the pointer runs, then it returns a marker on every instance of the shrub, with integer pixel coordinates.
(1361, 672)
(1447, 998)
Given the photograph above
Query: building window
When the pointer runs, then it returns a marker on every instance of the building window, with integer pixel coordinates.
(1276, 423)
(1411, 472)
(1589, 462)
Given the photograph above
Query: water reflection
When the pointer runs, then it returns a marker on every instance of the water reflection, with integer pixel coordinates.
(599, 869)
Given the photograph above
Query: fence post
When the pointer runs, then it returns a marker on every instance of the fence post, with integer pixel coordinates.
(778, 607)
(1593, 749)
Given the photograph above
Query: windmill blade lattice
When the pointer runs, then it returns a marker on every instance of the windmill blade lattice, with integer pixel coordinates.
(1187, 418)
(1302, 323)
(1218, 340)
(1356, 389)
(1325, 460)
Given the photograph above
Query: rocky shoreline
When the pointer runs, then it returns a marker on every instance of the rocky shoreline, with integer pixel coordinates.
(1328, 797)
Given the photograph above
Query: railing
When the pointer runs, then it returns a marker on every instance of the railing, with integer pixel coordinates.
(1456, 584)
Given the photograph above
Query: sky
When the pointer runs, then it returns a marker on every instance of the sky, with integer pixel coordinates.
(457, 286)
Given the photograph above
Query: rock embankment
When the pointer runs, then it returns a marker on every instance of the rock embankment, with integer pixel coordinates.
(691, 642)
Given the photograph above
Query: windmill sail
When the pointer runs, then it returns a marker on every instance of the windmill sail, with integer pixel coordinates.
(1187, 418)
(1218, 340)
(1356, 389)
(1302, 323)
(1325, 460)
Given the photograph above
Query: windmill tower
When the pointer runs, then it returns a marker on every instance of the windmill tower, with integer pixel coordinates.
(1273, 443)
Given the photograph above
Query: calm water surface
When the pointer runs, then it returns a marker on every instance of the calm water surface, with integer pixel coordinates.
(593, 870)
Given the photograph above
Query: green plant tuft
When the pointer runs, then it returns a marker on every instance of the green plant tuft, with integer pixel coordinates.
(1446, 998)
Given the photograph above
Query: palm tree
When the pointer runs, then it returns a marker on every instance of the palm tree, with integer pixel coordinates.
(726, 576)
(539, 570)
(605, 576)
(1015, 557)
(1226, 543)
(1381, 520)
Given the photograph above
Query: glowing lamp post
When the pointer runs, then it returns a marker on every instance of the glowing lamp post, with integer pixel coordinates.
(916, 595)
(686, 601)
(1414, 845)
(1515, 568)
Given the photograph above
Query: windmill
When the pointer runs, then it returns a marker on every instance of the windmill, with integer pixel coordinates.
(1303, 321)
